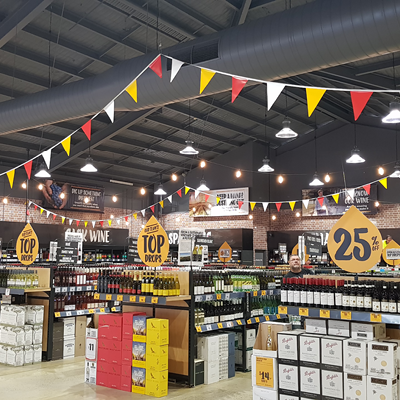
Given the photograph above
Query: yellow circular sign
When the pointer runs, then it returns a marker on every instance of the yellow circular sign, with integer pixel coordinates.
(295, 251)
(153, 243)
(27, 245)
(354, 242)
(391, 253)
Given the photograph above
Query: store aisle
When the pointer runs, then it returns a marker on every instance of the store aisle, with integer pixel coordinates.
(64, 380)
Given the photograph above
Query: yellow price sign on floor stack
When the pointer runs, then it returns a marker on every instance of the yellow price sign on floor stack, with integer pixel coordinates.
(265, 372)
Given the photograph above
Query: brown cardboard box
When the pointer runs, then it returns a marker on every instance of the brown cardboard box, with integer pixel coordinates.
(80, 346)
(80, 326)
(260, 346)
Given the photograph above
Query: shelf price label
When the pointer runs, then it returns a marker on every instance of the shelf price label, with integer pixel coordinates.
(114, 309)
(375, 317)
(239, 322)
(197, 299)
(249, 321)
(278, 316)
(255, 293)
(229, 324)
(68, 313)
(57, 314)
(120, 297)
(198, 329)
(154, 300)
(227, 296)
(354, 242)
(220, 326)
(132, 299)
(264, 293)
(324, 313)
(142, 299)
(102, 310)
(209, 297)
(108, 296)
(257, 319)
(209, 327)
(345, 314)
(91, 311)
(303, 312)
(97, 296)
(282, 310)
(264, 372)
(218, 296)
(79, 289)
(266, 317)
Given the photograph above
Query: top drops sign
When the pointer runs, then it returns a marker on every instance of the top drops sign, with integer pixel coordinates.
(153, 244)
(27, 245)
(354, 242)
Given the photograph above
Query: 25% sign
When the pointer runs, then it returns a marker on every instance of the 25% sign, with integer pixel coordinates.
(354, 242)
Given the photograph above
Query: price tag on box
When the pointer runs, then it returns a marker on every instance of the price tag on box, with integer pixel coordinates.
(324, 313)
(376, 317)
(303, 312)
(91, 349)
(265, 372)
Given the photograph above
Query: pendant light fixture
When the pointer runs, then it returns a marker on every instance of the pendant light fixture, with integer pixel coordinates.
(203, 186)
(316, 181)
(160, 191)
(89, 167)
(42, 172)
(189, 150)
(266, 167)
(286, 132)
(396, 173)
(355, 157)
(394, 115)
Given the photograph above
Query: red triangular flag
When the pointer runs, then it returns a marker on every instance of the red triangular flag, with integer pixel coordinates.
(367, 188)
(102, 223)
(156, 66)
(152, 209)
(321, 201)
(27, 212)
(126, 218)
(240, 204)
(359, 101)
(54, 216)
(87, 128)
(35, 207)
(237, 86)
(179, 192)
(77, 222)
(28, 168)
(278, 206)
(207, 196)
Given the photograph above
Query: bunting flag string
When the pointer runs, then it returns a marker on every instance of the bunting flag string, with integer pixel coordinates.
(292, 204)
(28, 169)
(87, 129)
(175, 67)
(273, 92)
(313, 98)
(156, 66)
(359, 100)
(46, 157)
(205, 77)
(10, 176)
(237, 86)
(66, 144)
(305, 203)
(109, 109)
(383, 182)
(278, 206)
(132, 90)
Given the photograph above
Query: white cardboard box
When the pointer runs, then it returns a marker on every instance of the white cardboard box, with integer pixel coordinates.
(208, 348)
(368, 331)
(16, 336)
(34, 315)
(309, 349)
(355, 352)
(69, 348)
(261, 339)
(288, 346)
(223, 368)
(28, 355)
(37, 332)
(397, 341)
(90, 372)
(37, 353)
(28, 335)
(15, 356)
(310, 381)
(332, 353)
(332, 384)
(338, 328)
(290, 397)
(3, 353)
(270, 382)
(260, 393)
(381, 388)
(211, 372)
(69, 327)
(317, 326)
(355, 387)
(288, 377)
(382, 359)
(12, 315)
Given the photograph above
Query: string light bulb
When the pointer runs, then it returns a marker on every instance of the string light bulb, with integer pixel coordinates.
(202, 164)
(112, 216)
(238, 173)
(142, 191)
(86, 200)
(377, 204)
(174, 177)
(23, 185)
(114, 199)
(381, 171)
(297, 214)
(280, 179)
(327, 178)
(62, 195)
(274, 217)
(40, 186)
(5, 200)
(250, 216)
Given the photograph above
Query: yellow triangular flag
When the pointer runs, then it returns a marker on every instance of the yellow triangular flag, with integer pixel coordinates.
(252, 205)
(135, 216)
(186, 189)
(313, 98)
(85, 224)
(109, 222)
(292, 203)
(218, 199)
(383, 182)
(205, 78)
(132, 90)
(41, 211)
(162, 203)
(10, 175)
(336, 197)
(66, 143)
(62, 219)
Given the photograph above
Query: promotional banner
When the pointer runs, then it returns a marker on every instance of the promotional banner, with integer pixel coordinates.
(27, 245)
(219, 203)
(321, 206)
(188, 252)
(67, 196)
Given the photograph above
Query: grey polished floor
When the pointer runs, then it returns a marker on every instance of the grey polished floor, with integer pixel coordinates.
(64, 380)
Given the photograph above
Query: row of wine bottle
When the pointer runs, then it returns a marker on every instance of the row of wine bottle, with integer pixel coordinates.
(366, 295)
(78, 301)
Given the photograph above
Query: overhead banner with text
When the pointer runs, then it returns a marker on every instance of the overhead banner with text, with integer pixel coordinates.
(323, 203)
(219, 203)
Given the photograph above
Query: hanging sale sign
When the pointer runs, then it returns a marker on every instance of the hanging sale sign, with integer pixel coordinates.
(231, 202)
(153, 244)
(354, 242)
(391, 253)
(27, 245)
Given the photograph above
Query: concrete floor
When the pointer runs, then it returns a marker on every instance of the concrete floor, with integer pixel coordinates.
(64, 380)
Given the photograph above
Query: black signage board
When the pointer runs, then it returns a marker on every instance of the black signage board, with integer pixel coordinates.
(133, 255)
(68, 253)
(313, 243)
(204, 240)
(173, 237)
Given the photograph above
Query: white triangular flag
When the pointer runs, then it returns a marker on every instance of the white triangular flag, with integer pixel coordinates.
(93, 223)
(70, 221)
(273, 91)
(170, 198)
(265, 205)
(175, 67)
(143, 212)
(48, 213)
(196, 193)
(305, 203)
(109, 109)
(29, 203)
(47, 156)
(350, 192)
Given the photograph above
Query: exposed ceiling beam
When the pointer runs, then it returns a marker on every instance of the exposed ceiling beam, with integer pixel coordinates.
(27, 11)
(241, 14)
(377, 66)
(260, 3)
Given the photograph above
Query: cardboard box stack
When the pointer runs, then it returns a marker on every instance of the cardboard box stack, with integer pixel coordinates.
(248, 348)
(21, 333)
(91, 344)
